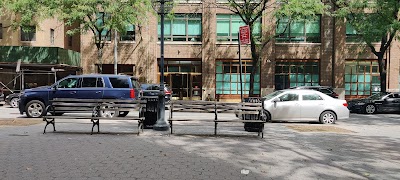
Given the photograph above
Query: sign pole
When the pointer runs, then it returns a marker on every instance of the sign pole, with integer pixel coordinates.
(240, 71)
(244, 38)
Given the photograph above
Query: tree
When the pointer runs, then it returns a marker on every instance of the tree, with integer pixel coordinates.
(102, 16)
(27, 13)
(251, 11)
(375, 21)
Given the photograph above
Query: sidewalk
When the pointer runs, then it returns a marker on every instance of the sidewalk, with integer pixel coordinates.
(192, 153)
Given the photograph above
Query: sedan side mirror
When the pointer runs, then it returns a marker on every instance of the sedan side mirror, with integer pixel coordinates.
(276, 100)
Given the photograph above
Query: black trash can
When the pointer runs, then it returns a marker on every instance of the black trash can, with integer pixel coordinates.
(252, 127)
(150, 112)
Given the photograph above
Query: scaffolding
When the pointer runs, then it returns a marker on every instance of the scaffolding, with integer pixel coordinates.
(14, 79)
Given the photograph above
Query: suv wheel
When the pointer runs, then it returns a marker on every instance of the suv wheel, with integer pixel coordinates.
(35, 109)
(14, 102)
(107, 113)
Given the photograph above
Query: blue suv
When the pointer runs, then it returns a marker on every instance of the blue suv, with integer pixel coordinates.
(34, 101)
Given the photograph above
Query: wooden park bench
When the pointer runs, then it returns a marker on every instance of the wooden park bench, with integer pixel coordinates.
(92, 109)
(216, 108)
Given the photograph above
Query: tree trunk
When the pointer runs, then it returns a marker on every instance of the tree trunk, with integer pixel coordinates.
(254, 61)
(100, 59)
(382, 71)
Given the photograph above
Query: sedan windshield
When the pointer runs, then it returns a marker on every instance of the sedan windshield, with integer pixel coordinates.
(377, 96)
(272, 95)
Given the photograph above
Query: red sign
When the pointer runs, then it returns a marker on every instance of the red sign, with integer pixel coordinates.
(244, 34)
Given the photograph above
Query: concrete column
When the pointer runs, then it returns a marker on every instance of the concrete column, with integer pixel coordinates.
(208, 49)
(393, 56)
(339, 60)
(326, 58)
(268, 54)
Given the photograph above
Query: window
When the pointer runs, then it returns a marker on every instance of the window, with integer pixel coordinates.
(182, 66)
(92, 82)
(118, 82)
(129, 35)
(289, 97)
(68, 83)
(183, 27)
(1, 31)
(135, 83)
(311, 97)
(308, 30)
(351, 34)
(361, 77)
(105, 34)
(228, 27)
(28, 34)
(228, 77)
(290, 73)
(52, 36)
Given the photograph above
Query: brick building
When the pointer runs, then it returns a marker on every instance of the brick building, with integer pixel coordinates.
(201, 56)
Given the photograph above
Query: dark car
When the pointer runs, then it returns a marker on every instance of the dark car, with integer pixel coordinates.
(383, 102)
(148, 90)
(324, 89)
(12, 99)
(34, 101)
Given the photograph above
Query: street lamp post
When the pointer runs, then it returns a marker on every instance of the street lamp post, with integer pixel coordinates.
(161, 123)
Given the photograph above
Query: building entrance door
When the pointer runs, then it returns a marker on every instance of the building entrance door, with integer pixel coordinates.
(185, 86)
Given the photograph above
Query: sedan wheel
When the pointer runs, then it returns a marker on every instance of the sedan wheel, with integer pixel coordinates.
(370, 109)
(327, 117)
(35, 109)
(14, 102)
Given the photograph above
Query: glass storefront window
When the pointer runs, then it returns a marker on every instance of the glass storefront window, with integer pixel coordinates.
(361, 78)
(296, 73)
(228, 79)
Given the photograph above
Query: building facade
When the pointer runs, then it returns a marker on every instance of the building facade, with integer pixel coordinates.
(45, 52)
(202, 60)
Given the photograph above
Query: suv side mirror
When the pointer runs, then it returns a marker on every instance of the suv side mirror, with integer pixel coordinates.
(55, 87)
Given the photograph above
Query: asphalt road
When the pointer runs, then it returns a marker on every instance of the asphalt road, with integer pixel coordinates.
(368, 148)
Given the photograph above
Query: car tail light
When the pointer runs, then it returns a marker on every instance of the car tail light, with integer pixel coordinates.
(132, 93)
(345, 104)
(167, 92)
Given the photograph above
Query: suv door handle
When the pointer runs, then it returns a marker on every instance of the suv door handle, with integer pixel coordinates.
(97, 92)
(72, 92)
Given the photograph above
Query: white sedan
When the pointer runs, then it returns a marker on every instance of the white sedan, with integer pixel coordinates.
(304, 105)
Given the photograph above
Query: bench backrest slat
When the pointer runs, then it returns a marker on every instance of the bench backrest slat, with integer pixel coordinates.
(90, 105)
(241, 108)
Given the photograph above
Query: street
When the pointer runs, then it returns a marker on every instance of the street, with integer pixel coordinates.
(362, 147)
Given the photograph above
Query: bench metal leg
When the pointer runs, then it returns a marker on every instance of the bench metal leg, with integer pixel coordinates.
(140, 127)
(47, 123)
(215, 129)
(95, 122)
(261, 130)
(170, 125)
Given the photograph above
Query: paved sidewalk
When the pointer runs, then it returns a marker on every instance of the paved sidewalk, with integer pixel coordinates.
(194, 153)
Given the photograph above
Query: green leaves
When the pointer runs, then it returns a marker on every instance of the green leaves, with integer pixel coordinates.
(299, 9)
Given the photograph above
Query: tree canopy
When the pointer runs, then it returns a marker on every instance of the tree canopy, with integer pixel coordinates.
(252, 10)
(376, 21)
